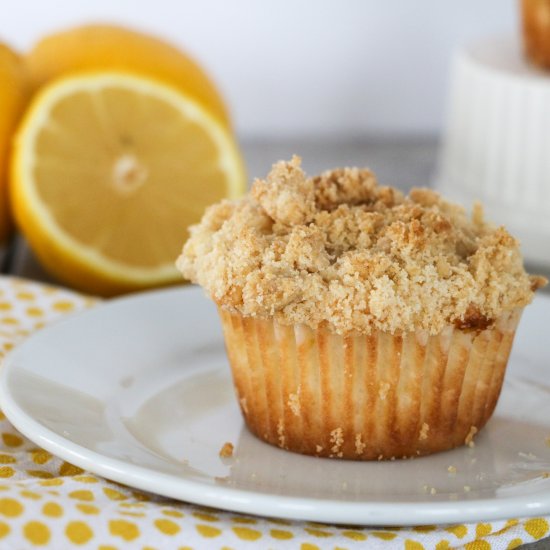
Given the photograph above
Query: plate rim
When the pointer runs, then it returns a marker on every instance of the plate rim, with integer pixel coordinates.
(367, 513)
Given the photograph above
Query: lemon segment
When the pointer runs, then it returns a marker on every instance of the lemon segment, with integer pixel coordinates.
(109, 170)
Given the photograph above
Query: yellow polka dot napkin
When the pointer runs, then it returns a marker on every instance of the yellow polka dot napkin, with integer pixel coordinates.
(48, 503)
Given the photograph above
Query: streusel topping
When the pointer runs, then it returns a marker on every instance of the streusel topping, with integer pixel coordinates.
(342, 250)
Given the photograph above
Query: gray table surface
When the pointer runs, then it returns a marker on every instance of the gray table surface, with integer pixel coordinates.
(403, 163)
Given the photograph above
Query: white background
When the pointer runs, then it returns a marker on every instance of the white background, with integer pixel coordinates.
(301, 67)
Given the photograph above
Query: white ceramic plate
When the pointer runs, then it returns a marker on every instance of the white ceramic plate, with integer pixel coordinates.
(138, 390)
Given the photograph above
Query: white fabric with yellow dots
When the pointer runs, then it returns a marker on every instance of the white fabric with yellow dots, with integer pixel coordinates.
(48, 503)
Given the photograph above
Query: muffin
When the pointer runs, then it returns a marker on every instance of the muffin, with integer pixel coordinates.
(359, 323)
(536, 31)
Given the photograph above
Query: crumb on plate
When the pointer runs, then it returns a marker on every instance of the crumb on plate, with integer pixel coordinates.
(227, 450)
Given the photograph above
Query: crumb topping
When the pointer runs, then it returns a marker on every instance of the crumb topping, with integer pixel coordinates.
(424, 432)
(470, 437)
(341, 250)
(359, 444)
(383, 390)
(281, 433)
(294, 402)
(337, 440)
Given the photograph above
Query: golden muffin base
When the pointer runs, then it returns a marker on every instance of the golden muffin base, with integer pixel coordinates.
(366, 397)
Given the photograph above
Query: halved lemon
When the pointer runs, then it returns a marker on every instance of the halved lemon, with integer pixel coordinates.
(109, 169)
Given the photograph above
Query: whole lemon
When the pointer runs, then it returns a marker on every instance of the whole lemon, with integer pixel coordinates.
(109, 47)
(13, 96)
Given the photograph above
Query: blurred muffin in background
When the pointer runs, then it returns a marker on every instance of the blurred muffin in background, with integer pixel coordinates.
(536, 31)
